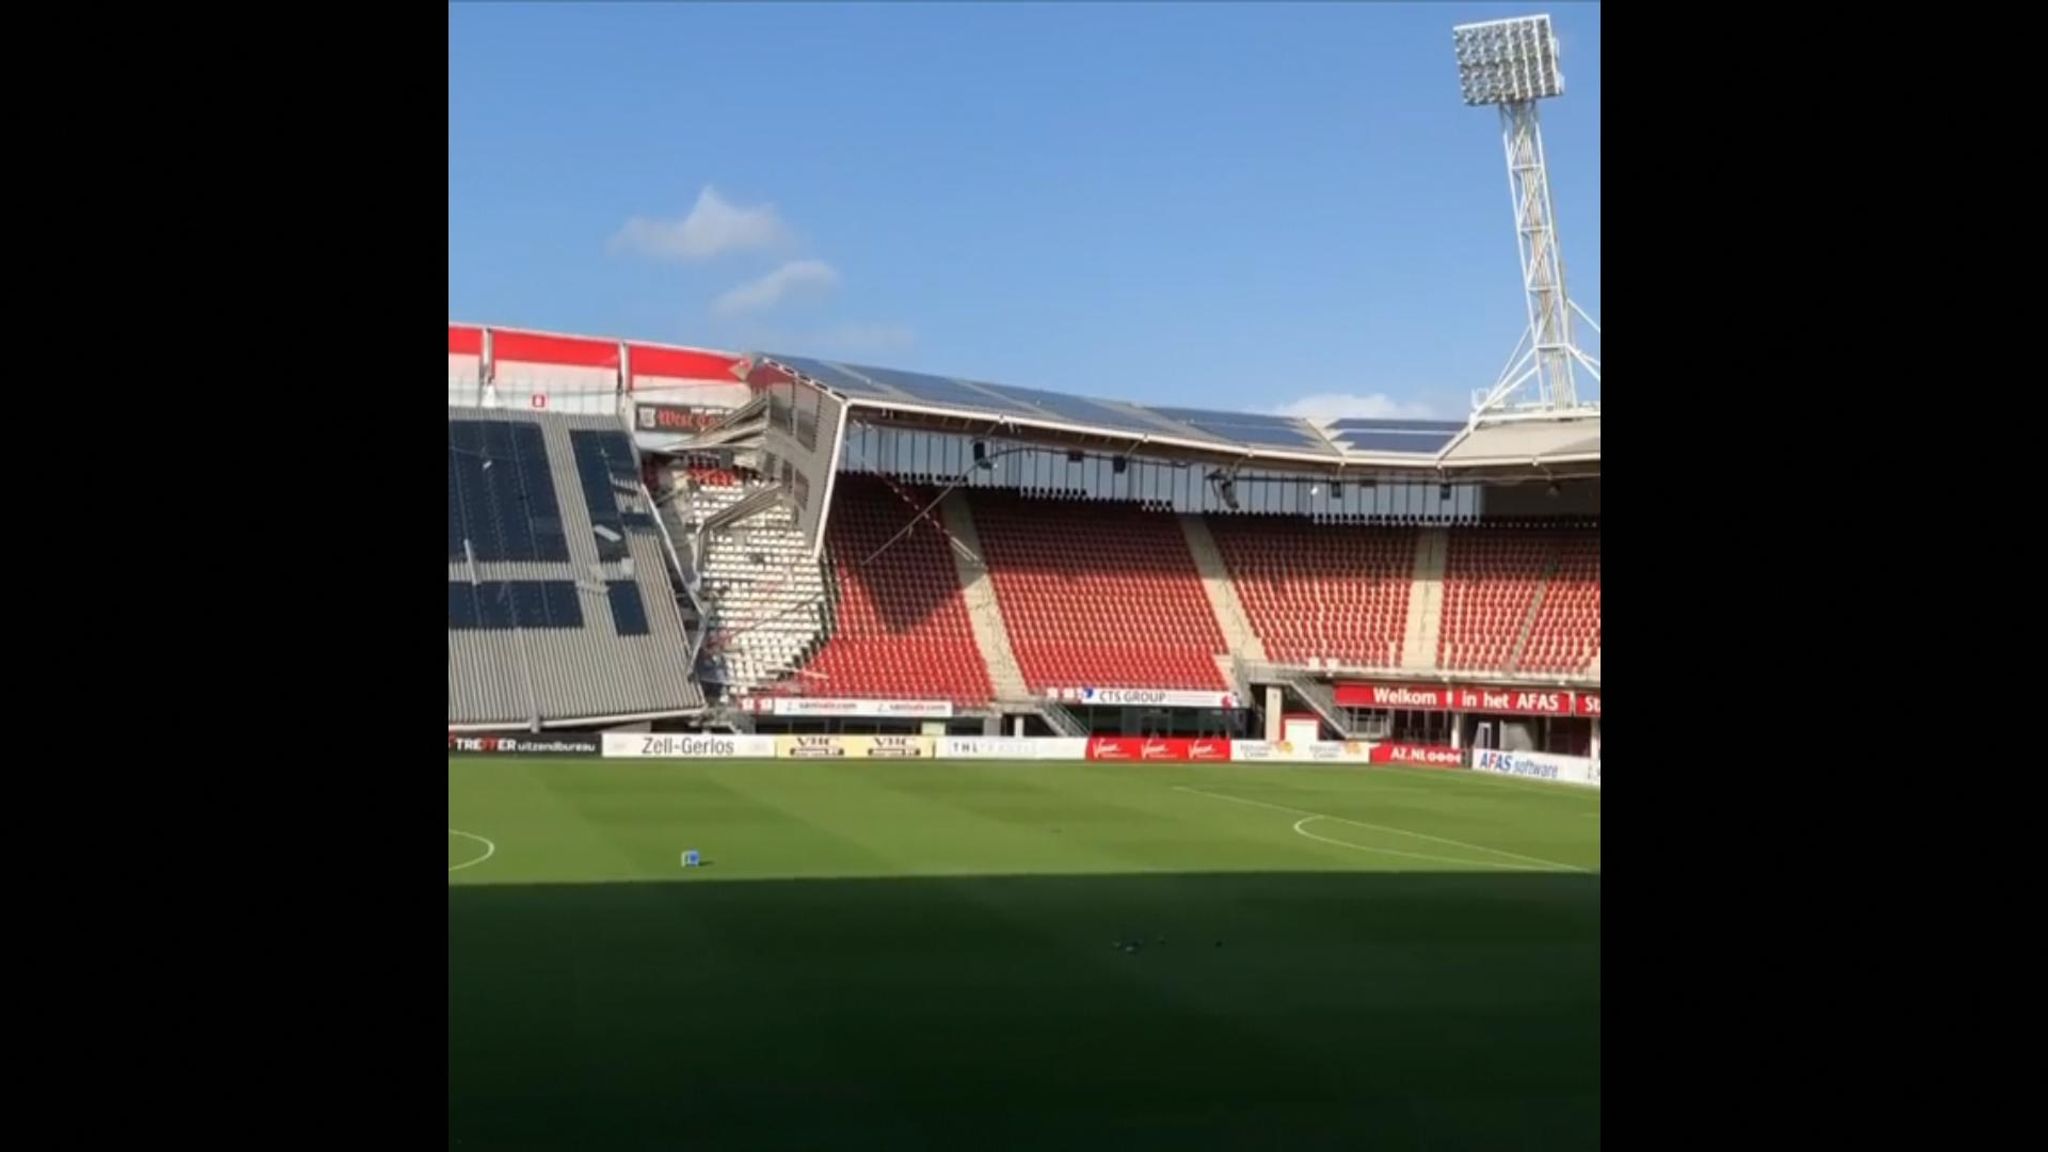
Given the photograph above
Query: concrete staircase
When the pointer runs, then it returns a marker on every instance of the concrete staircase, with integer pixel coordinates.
(1529, 617)
(983, 613)
(1425, 602)
(1233, 674)
(1321, 698)
(1060, 720)
(1230, 613)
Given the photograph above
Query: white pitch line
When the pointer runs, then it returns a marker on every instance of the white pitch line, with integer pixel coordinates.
(1397, 852)
(490, 849)
(1380, 828)
(1520, 785)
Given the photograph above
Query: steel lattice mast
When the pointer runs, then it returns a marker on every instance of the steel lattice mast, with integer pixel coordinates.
(1512, 64)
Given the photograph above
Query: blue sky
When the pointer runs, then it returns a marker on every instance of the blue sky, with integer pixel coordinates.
(1250, 206)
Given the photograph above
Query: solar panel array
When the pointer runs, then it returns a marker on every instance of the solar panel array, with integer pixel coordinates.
(562, 537)
(1358, 435)
(1095, 413)
(607, 471)
(501, 605)
(1197, 425)
(1283, 432)
(501, 496)
(942, 391)
(629, 611)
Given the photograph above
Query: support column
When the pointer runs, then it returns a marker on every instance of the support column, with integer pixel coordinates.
(1276, 716)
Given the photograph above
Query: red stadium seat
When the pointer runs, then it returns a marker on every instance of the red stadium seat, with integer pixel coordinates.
(899, 626)
(1491, 577)
(1098, 594)
(1321, 592)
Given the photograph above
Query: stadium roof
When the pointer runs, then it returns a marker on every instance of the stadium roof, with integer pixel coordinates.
(1244, 437)
(560, 609)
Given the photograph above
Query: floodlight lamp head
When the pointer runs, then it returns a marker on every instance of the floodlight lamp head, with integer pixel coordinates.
(1507, 61)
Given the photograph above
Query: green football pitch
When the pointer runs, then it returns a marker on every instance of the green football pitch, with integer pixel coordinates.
(1034, 955)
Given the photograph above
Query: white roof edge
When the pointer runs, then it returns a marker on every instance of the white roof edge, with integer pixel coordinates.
(1249, 451)
(1435, 459)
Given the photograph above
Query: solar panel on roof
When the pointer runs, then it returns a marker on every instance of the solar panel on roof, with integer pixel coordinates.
(1077, 410)
(1366, 424)
(1394, 441)
(1248, 419)
(493, 606)
(501, 494)
(1277, 437)
(605, 466)
(943, 391)
(629, 614)
(1251, 428)
(504, 604)
(831, 376)
(462, 612)
(560, 606)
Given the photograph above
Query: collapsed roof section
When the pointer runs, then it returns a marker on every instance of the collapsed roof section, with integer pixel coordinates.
(1521, 448)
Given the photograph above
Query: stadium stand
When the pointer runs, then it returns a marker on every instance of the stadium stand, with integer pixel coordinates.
(1098, 594)
(900, 625)
(1105, 594)
(764, 598)
(1564, 637)
(1319, 592)
(1058, 572)
(559, 604)
(1491, 579)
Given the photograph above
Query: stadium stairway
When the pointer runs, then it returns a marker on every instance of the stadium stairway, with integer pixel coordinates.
(1425, 602)
(1535, 611)
(1490, 579)
(1063, 722)
(1323, 700)
(1521, 599)
(764, 598)
(1564, 630)
(979, 590)
(1222, 593)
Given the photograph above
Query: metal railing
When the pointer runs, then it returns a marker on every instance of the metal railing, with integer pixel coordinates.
(1062, 721)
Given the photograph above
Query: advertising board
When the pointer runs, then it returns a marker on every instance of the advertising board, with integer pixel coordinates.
(524, 744)
(989, 748)
(855, 747)
(1537, 766)
(799, 706)
(1166, 749)
(687, 746)
(1418, 755)
(1488, 701)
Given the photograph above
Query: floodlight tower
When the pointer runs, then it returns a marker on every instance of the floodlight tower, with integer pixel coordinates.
(1512, 64)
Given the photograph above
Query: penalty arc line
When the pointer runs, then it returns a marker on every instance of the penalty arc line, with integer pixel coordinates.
(1299, 830)
(1379, 828)
(490, 849)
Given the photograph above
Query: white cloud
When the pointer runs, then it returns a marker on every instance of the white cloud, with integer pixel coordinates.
(1327, 406)
(713, 226)
(767, 291)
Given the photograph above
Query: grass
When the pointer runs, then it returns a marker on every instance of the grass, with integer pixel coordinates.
(926, 956)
